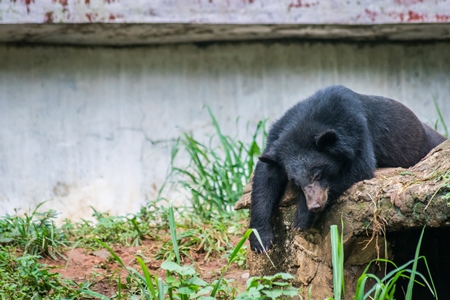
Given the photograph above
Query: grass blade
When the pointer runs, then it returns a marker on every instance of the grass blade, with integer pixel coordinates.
(230, 260)
(414, 268)
(337, 259)
(147, 276)
(255, 231)
(441, 118)
(95, 294)
(173, 234)
(160, 289)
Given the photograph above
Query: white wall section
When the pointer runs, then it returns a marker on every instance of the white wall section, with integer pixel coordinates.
(94, 126)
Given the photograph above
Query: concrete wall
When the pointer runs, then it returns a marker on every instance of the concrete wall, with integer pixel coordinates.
(225, 12)
(94, 126)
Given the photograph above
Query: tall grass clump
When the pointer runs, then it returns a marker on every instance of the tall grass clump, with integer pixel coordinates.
(440, 120)
(370, 286)
(218, 171)
(34, 232)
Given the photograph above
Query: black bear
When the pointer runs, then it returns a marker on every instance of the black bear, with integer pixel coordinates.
(325, 144)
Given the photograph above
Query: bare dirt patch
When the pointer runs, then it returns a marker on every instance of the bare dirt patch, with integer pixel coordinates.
(103, 271)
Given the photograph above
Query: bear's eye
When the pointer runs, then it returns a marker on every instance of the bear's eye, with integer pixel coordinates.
(315, 177)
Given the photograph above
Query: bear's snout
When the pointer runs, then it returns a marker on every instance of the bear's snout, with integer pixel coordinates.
(316, 196)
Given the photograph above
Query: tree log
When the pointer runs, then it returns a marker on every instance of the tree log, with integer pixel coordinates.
(376, 214)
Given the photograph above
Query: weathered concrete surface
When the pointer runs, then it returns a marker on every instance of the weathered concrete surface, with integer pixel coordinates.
(148, 34)
(121, 22)
(225, 12)
(94, 126)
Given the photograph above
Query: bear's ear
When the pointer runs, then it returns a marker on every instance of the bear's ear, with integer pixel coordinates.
(327, 138)
(329, 141)
(268, 157)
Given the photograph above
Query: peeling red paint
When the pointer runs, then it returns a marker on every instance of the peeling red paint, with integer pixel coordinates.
(114, 17)
(413, 16)
(27, 4)
(398, 16)
(211, 11)
(48, 18)
(408, 2)
(90, 17)
(62, 2)
(300, 3)
(371, 14)
(442, 18)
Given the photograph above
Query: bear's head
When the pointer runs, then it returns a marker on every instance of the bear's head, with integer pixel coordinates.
(313, 163)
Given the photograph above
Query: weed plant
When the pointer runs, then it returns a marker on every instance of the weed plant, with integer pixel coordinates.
(337, 260)
(218, 171)
(277, 286)
(380, 288)
(183, 282)
(212, 237)
(441, 119)
(22, 277)
(127, 230)
(35, 233)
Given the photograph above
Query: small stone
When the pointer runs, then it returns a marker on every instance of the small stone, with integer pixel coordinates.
(103, 253)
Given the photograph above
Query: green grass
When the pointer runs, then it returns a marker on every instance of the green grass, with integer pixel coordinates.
(183, 282)
(127, 230)
(277, 286)
(218, 171)
(337, 260)
(23, 277)
(34, 232)
(212, 237)
(379, 288)
(441, 119)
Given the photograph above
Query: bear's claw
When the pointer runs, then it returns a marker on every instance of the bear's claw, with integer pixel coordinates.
(267, 242)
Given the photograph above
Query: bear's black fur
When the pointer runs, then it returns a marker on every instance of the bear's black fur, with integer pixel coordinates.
(325, 144)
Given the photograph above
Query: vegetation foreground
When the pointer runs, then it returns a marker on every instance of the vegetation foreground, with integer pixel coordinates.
(161, 252)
